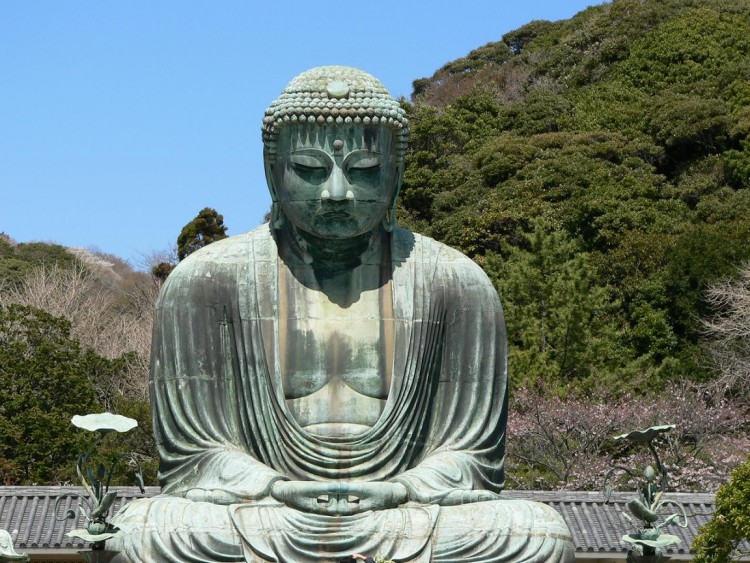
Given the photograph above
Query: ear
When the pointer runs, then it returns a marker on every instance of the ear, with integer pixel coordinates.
(389, 221)
(269, 166)
(399, 179)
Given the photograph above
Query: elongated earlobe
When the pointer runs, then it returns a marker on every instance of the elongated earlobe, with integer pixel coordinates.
(389, 221)
(277, 216)
(269, 165)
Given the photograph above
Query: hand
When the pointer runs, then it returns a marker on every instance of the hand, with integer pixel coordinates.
(465, 497)
(338, 498)
(214, 496)
(453, 497)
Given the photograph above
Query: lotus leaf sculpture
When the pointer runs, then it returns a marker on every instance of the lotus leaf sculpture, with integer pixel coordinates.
(96, 481)
(648, 543)
(104, 422)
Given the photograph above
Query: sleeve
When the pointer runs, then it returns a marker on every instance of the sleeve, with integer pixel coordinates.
(464, 438)
(197, 418)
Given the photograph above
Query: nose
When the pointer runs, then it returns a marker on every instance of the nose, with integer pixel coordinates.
(337, 187)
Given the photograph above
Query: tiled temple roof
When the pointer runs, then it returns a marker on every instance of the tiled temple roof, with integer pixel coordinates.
(31, 511)
(596, 527)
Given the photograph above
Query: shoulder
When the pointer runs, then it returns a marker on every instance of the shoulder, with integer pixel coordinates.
(227, 252)
(449, 270)
(219, 264)
(445, 260)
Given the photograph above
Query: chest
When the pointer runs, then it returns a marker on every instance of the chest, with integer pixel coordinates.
(324, 344)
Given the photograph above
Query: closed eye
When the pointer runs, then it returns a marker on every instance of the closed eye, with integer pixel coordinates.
(361, 175)
(365, 164)
(312, 175)
(312, 167)
(308, 168)
(309, 161)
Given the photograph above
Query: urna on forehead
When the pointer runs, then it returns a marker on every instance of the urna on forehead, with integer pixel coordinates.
(335, 96)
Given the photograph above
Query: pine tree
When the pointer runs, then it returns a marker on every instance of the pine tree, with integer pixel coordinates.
(207, 227)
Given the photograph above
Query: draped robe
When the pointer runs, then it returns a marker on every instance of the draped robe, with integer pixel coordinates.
(222, 424)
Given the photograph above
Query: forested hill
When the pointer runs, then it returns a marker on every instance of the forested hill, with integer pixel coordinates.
(599, 169)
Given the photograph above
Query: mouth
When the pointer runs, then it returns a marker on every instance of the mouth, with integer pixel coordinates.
(334, 221)
(334, 214)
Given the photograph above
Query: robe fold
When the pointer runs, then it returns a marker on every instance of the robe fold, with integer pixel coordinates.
(219, 410)
(222, 425)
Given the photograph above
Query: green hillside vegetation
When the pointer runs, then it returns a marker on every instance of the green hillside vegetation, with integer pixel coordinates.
(74, 339)
(719, 540)
(599, 169)
(18, 259)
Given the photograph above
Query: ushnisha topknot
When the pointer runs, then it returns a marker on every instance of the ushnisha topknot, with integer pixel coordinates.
(335, 95)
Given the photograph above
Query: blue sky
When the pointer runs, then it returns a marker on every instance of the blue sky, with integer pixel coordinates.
(119, 121)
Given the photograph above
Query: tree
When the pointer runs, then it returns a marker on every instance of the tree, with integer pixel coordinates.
(160, 263)
(161, 270)
(45, 379)
(207, 227)
(108, 314)
(728, 333)
(566, 442)
(562, 328)
(718, 540)
(17, 259)
(625, 129)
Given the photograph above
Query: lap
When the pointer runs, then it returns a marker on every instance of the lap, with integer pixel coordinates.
(173, 529)
(502, 530)
(176, 529)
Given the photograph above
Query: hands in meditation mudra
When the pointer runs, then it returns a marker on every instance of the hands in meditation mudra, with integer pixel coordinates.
(330, 383)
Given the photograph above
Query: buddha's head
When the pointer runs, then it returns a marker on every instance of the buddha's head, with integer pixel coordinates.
(334, 144)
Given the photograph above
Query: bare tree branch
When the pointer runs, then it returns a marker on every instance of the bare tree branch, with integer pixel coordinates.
(728, 334)
(110, 314)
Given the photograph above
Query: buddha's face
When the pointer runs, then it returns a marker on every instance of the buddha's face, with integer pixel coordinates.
(335, 182)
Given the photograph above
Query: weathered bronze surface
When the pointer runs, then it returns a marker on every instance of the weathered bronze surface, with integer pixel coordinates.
(7, 552)
(330, 383)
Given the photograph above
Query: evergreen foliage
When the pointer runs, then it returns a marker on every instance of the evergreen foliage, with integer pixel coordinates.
(205, 228)
(623, 131)
(561, 326)
(718, 540)
(18, 259)
(45, 380)
(72, 334)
